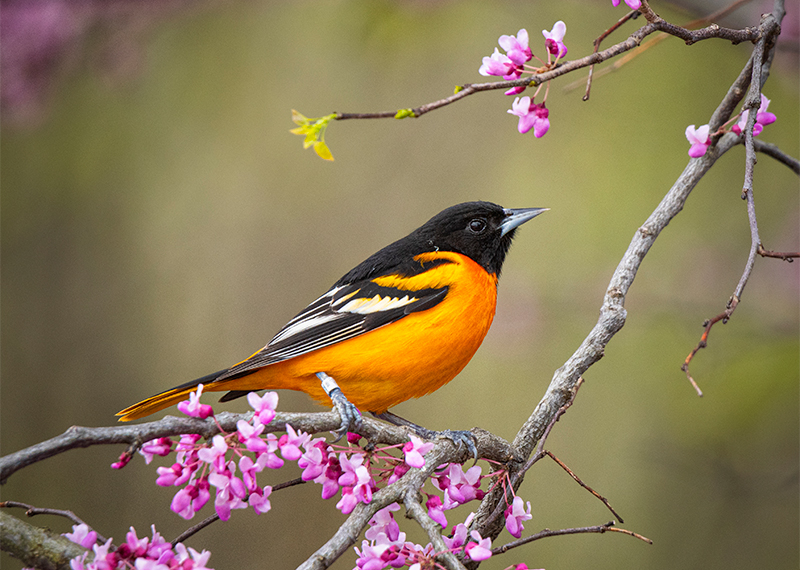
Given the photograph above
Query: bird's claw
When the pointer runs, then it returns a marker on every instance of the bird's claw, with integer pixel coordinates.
(348, 413)
(461, 439)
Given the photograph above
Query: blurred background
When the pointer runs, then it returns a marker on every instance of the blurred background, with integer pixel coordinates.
(159, 222)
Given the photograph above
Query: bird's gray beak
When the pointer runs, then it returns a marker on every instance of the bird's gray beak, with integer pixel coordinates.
(515, 218)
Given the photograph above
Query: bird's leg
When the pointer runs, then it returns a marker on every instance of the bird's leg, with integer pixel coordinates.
(349, 414)
(458, 437)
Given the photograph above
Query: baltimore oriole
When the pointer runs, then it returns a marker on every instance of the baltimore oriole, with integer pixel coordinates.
(399, 325)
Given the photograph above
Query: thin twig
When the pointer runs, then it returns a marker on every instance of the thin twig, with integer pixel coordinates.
(584, 485)
(32, 511)
(784, 255)
(515, 480)
(632, 15)
(759, 58)
(710, 18)
(773, 151)
(658, 24)
(603, 528)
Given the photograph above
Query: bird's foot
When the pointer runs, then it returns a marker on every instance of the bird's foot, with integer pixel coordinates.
(349, 415)
(460, 438)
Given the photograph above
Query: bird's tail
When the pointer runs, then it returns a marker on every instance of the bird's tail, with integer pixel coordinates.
(165, 399)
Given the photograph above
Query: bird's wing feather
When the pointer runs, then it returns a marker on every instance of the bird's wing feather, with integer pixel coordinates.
(344, 312)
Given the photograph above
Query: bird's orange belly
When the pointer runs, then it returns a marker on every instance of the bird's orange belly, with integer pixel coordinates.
(405, 359)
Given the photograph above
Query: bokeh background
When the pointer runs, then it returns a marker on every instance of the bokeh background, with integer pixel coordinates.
(159, 222)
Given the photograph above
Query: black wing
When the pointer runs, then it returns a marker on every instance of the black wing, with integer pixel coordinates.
(344, 312)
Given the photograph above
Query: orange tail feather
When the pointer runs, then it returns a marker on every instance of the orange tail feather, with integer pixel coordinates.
(166, 399)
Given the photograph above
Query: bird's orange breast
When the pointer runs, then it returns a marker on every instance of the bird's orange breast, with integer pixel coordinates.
(407, 358)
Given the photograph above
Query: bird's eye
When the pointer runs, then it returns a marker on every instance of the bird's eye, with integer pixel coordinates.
(477, 226)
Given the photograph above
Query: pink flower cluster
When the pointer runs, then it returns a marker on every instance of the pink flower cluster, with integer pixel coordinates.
(513, 64)
(140, 553)
(386, 546)
(230, 463)
(200, 466)
(700, 137)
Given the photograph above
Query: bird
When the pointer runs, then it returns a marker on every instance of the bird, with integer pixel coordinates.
(400, 325)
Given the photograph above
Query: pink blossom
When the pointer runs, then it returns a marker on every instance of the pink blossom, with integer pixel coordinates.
(259, 501)
(515, 515)
(459, 537)
(249, 468)
(83, 535)
(249, 435)
(198, 559)
(436, 509)
(124, 459)
(515, 90)
(272, 461)
(381, 552)
(230, 491)
(500, 64)
(414, 450)
(192, 407)
(161, 447)
(191, 499)
(459, 487)
(187, 443)
(348, 501)
(264, 405)
(383, 522)
(517, 49)
(480, 550)
(699, 139)
(763, 118)
(632, 4)
(167, 476)
(531, 116)
(553, 39)
(102, 559)
(215, 455)
(329, 478)
(314, 460)
(290, 442)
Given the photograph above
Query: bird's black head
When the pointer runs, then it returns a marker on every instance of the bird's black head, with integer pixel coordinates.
(480, 230)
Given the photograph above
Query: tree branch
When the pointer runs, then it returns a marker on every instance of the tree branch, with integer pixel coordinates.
(489, 445)
(34, 546)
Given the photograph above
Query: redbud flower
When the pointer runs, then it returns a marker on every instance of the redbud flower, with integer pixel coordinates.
(192, 407)
(249, 435)
(632, 4)
(517, 49)
(763, 118)
(215, 455)
(531, 116)
(383, 522)
(500, 64)
(161, 447)
(459, 537)
(515, 514)
(414, 450)
(264, 405)
(314, 461)
(436, 509)
(290, 442)
(82, 534)
(480, 550)
(699, 139)
(259, 501)
(553, 39)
